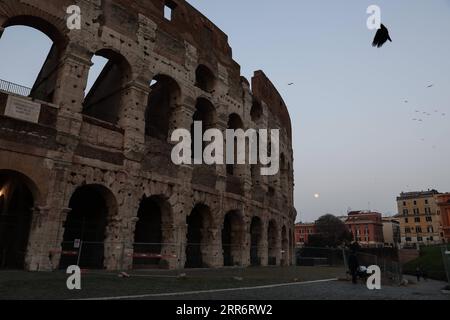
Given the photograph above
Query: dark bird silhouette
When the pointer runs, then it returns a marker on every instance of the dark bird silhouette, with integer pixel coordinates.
(290, 84)
(381, 37)
(430, 86)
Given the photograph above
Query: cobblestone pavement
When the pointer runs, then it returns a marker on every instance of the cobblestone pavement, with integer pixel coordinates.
(333, 290)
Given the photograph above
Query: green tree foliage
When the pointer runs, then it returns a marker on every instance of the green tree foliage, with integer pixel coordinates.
(330, 232)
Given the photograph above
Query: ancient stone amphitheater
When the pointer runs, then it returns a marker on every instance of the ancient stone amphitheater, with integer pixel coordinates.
(87, 177)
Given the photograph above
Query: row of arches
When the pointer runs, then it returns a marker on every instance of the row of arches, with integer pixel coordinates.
(105, 82)
(87, 232)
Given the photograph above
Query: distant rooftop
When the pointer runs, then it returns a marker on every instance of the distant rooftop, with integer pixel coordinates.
(417, 194)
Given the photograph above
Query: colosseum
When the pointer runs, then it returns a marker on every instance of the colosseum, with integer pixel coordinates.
(86, 177)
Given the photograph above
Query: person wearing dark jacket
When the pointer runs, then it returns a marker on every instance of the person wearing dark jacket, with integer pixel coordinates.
(353, 265)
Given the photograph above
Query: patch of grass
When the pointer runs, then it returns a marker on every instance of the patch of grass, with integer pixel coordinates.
(20, 285)
(431, 261)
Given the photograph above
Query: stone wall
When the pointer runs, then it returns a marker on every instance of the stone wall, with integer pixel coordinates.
(71, 147)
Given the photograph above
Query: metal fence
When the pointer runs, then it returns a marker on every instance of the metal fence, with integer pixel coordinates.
(93, 255)
(311, 256)
(14, 88)
(338, 257)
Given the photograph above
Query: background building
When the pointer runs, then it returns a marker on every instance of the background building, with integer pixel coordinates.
(367, 228)
(391, 232)
(419, 218)
(443, 202)
(303, 231)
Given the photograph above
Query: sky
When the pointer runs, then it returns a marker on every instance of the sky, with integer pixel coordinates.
(352, 106)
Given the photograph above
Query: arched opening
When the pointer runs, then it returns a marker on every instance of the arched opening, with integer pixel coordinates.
(16, 203)
(204, 78)
(234, 123)
(85, 227)
(284, 247)
(256, 112)
(272, 238)
(256, 230)
(233, 239)
(199, 238)
(206, 114)
(38, 54)
(153, 236)
(106, 84)
(162, 101)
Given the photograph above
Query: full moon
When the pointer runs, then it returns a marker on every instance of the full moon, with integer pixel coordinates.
(317, 196)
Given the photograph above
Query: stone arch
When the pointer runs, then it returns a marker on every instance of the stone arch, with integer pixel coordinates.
(18, 195)
(273, 242)
(205, 78)
(154, 233)
(45, 84)
(104, 101)
(256, 112)
(199, 237)
(162, 101)
(256, 237)
(93, 207)
(205, 113)
(52, 29)
(233, 238)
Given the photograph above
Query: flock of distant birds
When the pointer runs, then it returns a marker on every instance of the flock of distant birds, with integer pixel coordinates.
(381, 37)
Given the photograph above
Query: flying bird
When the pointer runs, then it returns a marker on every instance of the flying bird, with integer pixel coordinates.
(431, 86)
(290, 84)
(381, 37)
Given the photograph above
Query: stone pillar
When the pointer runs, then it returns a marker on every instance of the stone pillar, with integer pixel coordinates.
(132, 120)
(69, 94)
(245, 248)
(170, 250)
(181, 230)
(263, 250)
(221, 169)
(56, 232)
(128, 243)
(212, 248)
(37, 258)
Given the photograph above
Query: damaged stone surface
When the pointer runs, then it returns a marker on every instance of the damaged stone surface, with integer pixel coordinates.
(161, 75)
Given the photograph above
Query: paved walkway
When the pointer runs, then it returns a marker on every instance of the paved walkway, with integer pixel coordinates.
(332, 290)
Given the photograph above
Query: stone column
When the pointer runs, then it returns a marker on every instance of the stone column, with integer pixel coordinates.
(56, 232)
(181, 230)
(69, 94)
(212, 248)
(126, 262)
(37, 258)
(132, 120)
(169, 249)
(264, 246)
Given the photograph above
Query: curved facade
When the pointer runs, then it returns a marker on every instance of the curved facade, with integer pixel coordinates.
(96, 166)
